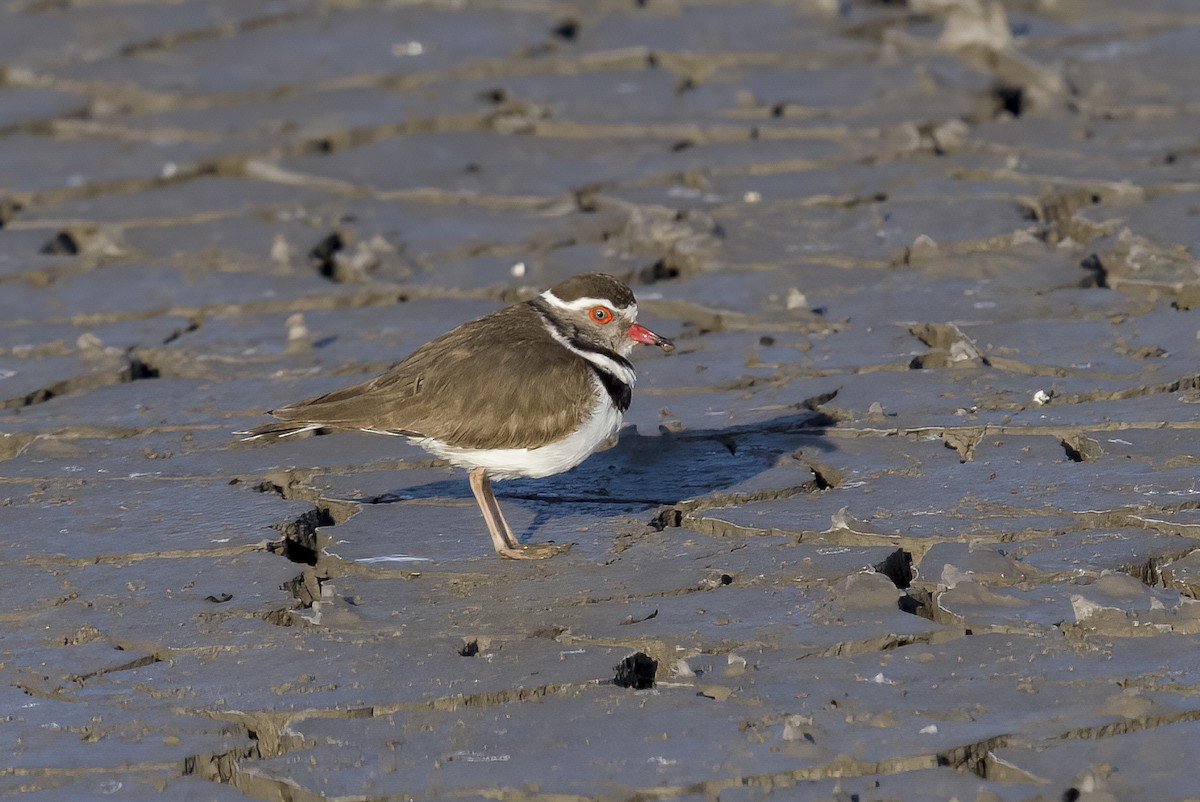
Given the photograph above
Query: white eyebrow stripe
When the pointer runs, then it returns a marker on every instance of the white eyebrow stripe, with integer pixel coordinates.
(583, 304)
(605, 363)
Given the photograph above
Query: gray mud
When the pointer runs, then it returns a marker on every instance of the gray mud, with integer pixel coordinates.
(911, 513)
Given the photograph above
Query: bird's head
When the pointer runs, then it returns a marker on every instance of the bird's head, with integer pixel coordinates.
(601, 310)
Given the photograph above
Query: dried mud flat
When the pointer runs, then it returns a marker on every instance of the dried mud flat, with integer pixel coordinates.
(910, 514)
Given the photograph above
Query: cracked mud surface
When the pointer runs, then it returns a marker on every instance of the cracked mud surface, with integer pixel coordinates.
(911, 513)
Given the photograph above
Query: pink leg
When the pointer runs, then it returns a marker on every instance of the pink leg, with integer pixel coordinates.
(503, 540)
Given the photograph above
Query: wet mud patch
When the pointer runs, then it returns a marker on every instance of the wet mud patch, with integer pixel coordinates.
(967, 573)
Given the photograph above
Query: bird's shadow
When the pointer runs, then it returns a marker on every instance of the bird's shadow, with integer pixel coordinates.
(644, 472)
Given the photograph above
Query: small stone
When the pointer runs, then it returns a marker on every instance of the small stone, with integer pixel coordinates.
(297, 330)
(922, 250)
(681, 668)
(88, 341)
(952, 576)
(796, 299)
(281, 252)
(408, 49)
(1023, 237)
(951, 135)
(798, 728)
(976, 23)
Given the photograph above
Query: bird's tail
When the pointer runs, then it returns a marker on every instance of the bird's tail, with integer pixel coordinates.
(280, 430)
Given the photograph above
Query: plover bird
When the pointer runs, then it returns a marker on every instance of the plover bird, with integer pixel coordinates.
(530, 390)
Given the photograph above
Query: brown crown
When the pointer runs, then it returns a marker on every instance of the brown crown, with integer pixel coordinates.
(595, 285)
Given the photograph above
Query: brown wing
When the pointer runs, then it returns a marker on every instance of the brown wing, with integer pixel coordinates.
(469, 388)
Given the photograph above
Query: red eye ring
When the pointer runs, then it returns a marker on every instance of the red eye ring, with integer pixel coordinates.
(600, 314)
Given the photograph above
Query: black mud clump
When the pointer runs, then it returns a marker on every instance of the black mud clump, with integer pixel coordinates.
(301, 537)
(667, 518)
(323, 255)
(1010, 99)
(659, 271)
(636, 671)
(567, 30)
(897, 567)
(8, 210)
(64, 243)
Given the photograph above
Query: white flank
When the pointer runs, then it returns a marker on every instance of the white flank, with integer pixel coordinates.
(556, 457)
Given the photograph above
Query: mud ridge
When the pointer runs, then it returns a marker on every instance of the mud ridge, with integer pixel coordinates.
(887, 643)
(683, 513)
(1129, 725)
(114, 369)
(138, 556)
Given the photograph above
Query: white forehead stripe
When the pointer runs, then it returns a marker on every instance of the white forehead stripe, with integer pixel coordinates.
(584, 304)
(605, 363)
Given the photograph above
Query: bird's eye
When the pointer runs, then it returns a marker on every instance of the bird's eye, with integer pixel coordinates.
(600, 314)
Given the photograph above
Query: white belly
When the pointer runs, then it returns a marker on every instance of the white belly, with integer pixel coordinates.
(556, 457)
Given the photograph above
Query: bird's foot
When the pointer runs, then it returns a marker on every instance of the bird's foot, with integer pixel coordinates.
(535, 551)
